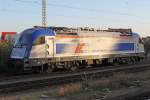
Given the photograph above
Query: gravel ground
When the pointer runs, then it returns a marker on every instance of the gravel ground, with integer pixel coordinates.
(121, 84)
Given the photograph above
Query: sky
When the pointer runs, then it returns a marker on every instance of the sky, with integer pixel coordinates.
(17, 15)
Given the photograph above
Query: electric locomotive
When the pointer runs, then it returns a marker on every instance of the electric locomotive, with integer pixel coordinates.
(47, 49)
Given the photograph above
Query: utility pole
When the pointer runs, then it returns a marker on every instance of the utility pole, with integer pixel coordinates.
(44, 24)
(44, 13)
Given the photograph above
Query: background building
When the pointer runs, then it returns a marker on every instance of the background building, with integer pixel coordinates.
(8, 36)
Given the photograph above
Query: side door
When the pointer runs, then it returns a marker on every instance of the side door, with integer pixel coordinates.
(49, 46)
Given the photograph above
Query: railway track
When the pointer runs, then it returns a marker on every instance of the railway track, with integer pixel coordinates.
(36, 81)
(28, 75)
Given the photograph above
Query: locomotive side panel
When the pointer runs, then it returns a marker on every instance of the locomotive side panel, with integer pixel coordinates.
(85, 47)
(93, 46)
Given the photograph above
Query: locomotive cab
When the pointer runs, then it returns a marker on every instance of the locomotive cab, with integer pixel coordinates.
(20, 47)
(30, 43)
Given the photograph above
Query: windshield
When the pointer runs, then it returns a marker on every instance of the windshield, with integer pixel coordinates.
(23, 40)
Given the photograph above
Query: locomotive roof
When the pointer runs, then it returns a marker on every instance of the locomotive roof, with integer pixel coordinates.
(91, 31)
(38, 31)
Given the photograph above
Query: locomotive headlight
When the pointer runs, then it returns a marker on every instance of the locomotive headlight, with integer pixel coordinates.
(47, 46)
(26, 61)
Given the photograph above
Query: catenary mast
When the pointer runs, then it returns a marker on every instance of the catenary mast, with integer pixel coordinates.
(44, 13)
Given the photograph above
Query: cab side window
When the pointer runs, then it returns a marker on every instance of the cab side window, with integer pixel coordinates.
(39, 41)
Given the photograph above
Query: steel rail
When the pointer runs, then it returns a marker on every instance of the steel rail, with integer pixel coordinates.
(20, 84)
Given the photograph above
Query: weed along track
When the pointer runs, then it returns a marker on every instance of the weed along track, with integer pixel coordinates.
(31, 82)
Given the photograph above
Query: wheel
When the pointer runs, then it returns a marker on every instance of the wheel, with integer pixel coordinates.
(49, 69)
(68, 66)
(36, 70)
(73, 68)
(53, 67)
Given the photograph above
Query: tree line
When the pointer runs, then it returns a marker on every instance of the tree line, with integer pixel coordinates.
(146, 41)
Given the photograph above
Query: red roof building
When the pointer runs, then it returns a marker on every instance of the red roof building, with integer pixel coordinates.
(8, 36)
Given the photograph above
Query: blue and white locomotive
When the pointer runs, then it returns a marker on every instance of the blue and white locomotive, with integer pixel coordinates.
(47, 49)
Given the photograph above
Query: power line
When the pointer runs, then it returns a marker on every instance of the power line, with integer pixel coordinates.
(81, 8)
(65, 6)
(91, 18)
(54, 14)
